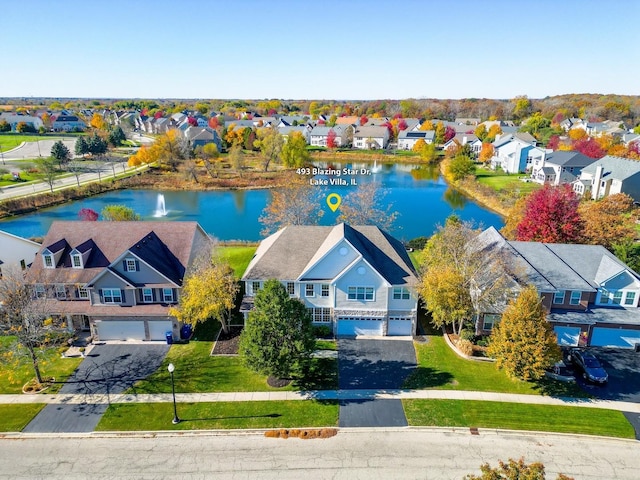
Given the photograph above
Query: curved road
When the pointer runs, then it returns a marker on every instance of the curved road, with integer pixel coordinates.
(40, 148)
(352, 454)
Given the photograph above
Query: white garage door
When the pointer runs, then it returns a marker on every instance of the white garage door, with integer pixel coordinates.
(121, 330)
(158, 330)
(399, 326)
(614, 337)
(567, 336)
(349, 326)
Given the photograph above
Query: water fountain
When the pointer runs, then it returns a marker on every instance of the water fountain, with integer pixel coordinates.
(161, 209)
(375, 168)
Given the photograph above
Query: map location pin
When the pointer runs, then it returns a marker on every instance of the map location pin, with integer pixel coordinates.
(334, 200)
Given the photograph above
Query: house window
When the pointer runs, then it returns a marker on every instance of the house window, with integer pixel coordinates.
(361, 293)
(401, 293)
(325, 290)
(23, 264)
(61, 292)
(83, 293)
(147, 295)
(490, 321)
(575, 298)
(291, 288)
(76, 261)
(558, 297)
(309, 290)
(605, 296)
(255, 287)
(630, 298)
(617, 298)
(167, 294)
(112, 295)
(40, 291)
(48, 261)
(320, 315)
(130, 265)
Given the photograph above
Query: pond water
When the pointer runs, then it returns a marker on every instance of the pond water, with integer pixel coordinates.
(419, 194)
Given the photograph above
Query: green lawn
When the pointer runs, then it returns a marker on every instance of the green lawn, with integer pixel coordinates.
(13, 376)
(517, 416)
(13, 418)
(7, 179)
(221, 415)
(326, 345)
(12, 140)
(500, 181)
(197, 371)
(415, 258)
(439, 367)
(238, 257)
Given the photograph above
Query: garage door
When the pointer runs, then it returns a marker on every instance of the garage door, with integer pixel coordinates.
(567, 336)
(157, 330)
(399, 326)
(348, 326)
(127, 330)
(614, 337)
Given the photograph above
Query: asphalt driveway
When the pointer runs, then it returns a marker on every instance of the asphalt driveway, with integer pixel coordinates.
(107, 369)
(373, 365)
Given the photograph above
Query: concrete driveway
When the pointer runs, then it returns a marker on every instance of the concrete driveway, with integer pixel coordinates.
(107, 369)
(373, 365)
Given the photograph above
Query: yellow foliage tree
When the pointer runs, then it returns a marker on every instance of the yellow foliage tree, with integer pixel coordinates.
(576, 134)
(426, 126)
(98, 122)
(486, 152)
(524, 343)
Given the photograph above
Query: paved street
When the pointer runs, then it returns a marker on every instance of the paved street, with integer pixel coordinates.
(373, 364)
(40, 148)
(108, 369)
(352, 454)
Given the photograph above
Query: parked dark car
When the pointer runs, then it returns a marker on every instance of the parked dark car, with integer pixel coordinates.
(589, 365)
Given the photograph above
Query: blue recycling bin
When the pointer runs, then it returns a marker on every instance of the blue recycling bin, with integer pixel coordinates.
(185, 332)
(169, 336)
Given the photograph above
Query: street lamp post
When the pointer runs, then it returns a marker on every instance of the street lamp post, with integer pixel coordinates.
(175, 420)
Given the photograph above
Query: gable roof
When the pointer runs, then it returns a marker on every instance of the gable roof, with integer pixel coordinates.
(167, 246)
(568, 158)
(615, 167)
(274, 258)
(371, 131)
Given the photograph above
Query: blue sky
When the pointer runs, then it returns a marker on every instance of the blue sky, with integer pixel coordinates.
(348, 49)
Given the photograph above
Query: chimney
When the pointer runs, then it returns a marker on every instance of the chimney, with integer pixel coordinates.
(597, 181)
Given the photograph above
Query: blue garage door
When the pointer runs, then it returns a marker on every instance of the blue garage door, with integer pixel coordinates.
(567, 336)
(353, 326)
(614, 337)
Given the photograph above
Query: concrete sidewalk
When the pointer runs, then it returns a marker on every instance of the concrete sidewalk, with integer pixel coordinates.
(320, 395)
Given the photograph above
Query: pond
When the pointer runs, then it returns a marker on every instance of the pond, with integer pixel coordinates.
(419, 194)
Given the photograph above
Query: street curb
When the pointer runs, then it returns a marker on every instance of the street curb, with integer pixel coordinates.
(261, 432)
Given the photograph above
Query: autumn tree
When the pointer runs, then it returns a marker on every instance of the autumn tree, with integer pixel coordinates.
(459, 167)
(481, 132)
(60, 152)
(494, 131)
(25, 316)
(486, 152)
(237, 160)
(97, 122)
(523, 342)
(88, 215)
(270, 143)
(210, 156)
(609, 221)
(296, 204)
(551, 216)
(294, 152)
(366, 206)
(428, 151)
(452, 265)
(208, 292)
(331, 139)
(119, 213)
(278, 337)
(522, 107)
(440, 131)
(449, 133)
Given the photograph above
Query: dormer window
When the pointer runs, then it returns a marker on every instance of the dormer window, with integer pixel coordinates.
(76, 260)
(131, 265)
(48, 260)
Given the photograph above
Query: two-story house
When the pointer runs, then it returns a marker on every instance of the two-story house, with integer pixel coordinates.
(371, 137)
(559, 167)
(608, 176)
(591, 297)
(117, 279)
(358, 280)
(319, 134)
(16, 252)
(515, 153)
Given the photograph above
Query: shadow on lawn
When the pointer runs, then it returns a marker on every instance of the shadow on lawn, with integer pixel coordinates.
(425, 377)
(268, 415)
(322, 375)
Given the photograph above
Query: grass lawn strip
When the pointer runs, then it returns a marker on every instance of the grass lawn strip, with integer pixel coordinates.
(196, 372)
(238, 257)
(221, 415)
(499, 181)
(13, 377)
(440, 368)
(517, 416)
(13, 418)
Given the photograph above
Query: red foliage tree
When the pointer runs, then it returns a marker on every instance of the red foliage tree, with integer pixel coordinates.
(554, 142)
(589, 147)
(389, 127)
(397, 116)
(449, 133)
(321, 122)
(363, 120)
(158, 114)
(192, 121)
(213, 122)
(551, 216)
(331, 139)
(88, 215)
(402, 125)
